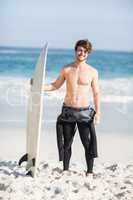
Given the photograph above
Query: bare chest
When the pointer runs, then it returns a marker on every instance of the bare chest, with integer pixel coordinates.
(79, 78)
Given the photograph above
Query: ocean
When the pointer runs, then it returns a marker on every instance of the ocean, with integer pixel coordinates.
(115, 69)
(17, 67)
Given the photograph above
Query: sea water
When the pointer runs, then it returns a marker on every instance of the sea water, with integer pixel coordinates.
(17, 67)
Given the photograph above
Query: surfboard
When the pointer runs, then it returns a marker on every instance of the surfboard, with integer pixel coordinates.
(34, 116)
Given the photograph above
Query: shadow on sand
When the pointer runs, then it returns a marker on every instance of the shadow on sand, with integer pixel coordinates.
(11, 168)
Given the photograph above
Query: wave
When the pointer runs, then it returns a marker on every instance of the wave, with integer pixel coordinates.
(117, 90)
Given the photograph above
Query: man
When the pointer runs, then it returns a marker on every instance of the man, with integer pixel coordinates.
(80, 79)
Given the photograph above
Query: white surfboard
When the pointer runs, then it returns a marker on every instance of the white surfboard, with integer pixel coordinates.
(34, 115)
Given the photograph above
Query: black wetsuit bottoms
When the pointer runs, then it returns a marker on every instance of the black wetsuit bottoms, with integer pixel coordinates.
(66, 128)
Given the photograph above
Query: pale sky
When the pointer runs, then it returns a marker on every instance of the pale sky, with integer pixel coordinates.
(108, 24)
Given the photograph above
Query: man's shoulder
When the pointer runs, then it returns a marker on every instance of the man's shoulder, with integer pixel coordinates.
(67, 66)
(93, 69)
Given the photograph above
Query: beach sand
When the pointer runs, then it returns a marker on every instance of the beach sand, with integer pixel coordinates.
(113, 169)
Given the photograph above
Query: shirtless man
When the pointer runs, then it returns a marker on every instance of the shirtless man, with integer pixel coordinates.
(80, 79)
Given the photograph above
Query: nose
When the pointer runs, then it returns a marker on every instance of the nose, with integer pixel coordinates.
(82, 53)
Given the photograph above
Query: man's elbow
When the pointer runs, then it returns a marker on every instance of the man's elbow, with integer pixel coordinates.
(55, 87)
(96, 94)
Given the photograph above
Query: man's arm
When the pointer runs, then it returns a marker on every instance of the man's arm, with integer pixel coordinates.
(57, 83)
(96, 94)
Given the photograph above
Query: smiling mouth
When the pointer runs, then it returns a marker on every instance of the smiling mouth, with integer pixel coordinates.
(81, 56)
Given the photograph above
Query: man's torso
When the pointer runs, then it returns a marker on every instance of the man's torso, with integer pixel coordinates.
(78, 84)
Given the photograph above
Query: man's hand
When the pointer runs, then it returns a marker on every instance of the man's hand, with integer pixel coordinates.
(97, 119)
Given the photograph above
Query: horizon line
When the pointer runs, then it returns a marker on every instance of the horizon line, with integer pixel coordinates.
(64, 48)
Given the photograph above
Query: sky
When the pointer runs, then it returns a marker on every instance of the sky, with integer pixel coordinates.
(108, 24)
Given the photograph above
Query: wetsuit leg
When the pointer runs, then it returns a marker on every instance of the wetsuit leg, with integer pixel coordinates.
(60, 139)
(90, 165)
(68, 132)
(93, 141)
(88, 138)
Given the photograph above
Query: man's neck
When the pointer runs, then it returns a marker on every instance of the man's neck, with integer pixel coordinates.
(78, 63)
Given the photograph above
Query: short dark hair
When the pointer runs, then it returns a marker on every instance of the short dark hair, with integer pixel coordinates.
(84, 43)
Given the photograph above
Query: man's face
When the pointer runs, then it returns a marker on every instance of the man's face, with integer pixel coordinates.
(81, 54)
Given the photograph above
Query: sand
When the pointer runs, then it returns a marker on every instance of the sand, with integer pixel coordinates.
(113, 169)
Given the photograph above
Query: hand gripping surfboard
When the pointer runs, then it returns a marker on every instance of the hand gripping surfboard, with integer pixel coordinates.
(34, 116)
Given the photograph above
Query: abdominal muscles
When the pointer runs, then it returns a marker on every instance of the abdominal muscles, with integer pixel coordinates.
(77, 97)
